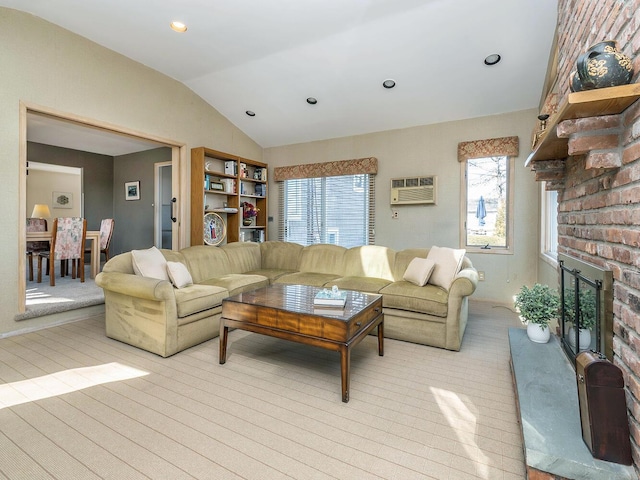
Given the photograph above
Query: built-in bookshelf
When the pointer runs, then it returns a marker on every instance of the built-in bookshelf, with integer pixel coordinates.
(220, 184)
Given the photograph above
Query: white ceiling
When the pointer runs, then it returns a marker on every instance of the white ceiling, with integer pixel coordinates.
(268, 56)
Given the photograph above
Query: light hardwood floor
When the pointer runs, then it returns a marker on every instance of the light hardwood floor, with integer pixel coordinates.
(77, 405)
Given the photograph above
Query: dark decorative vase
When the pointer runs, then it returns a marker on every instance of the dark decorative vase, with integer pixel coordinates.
(603, 65)
(247, 221)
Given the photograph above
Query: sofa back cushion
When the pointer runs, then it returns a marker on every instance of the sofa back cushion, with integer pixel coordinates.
(280, 255)
(323, 258)
(403, 259)
(371, 261)
(205, 262)
(243, 256)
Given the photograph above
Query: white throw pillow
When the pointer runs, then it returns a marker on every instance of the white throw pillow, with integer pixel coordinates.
(179, 274)
(149, 263)
(448, 262)
(419, 271)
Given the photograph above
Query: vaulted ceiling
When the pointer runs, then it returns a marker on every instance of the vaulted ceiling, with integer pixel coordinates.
(269, 56)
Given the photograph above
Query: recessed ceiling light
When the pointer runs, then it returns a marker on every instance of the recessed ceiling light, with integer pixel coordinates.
(178, 27)
(389, 83)
(492, 59)
(311, 101)
(250, 113)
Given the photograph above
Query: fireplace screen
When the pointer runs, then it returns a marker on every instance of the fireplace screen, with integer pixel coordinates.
(585, 308)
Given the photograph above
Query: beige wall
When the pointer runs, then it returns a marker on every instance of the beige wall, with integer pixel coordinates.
(49, 66)
(41, 185)
(432, 149)
(59, 70)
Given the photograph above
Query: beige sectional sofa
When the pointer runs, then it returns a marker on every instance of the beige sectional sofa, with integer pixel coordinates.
(152, 314)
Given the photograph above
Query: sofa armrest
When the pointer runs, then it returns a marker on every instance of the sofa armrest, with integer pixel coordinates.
(464, 283)
(136, 286)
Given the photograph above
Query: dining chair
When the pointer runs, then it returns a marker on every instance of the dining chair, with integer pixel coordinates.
(67, 243)
(36, 225)
(106, 232)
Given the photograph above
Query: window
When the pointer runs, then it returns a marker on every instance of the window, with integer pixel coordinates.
(336, 210)
(487, 204)
(549, 226)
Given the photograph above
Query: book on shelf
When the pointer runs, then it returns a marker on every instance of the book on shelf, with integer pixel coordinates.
(230, 167)
(330, 298)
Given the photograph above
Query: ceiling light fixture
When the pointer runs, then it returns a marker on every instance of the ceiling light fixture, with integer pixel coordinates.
(250, 113)
(492, 59)
(389, 83)
(178, 27)
(311, 101)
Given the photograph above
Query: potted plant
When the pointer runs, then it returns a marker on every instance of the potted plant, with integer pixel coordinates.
(249, 212)
(537, 306)
(587, 304)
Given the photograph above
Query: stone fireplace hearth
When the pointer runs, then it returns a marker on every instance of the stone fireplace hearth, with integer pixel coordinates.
(547, 397)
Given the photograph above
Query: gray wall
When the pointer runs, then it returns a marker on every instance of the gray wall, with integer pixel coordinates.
(97, 177)
(134, 218)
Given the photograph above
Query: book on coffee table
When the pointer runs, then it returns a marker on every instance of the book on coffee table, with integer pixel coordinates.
(330, 298)
(328, 310)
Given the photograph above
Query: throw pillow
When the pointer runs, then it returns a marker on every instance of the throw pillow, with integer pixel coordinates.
(447, 264)
(179, 274)
(419, 271)
(149, 263)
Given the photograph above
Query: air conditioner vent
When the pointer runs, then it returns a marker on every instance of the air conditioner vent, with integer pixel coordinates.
(414, 190)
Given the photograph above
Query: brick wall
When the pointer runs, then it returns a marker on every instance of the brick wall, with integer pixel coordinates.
(599, 206)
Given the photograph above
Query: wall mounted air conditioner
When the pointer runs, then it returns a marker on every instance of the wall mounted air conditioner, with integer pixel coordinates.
(414, 190)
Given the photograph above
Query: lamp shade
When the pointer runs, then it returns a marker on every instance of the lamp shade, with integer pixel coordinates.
(40, 210)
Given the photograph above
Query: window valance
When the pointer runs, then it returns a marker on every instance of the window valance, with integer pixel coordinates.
(357, 166)
(492, 147)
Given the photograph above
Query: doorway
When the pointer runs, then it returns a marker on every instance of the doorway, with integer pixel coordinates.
(163, 205)
(94, 128)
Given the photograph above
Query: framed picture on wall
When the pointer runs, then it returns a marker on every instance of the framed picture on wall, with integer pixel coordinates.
(62, 200)
(132, 190)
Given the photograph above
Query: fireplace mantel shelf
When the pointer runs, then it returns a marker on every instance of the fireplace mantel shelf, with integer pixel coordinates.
(590, 103)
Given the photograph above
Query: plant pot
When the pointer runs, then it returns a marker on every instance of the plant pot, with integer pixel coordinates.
(537, 334)
(247, 222)
(584, 338)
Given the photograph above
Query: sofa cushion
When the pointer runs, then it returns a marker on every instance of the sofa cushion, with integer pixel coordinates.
(403, 259)
(447, 264)
(419, 271)
(204, 262)
(280, 255)
(149, 263)
(237, 283)
(369, 261)
(179, 274)
(323, 258)
(243, 256)
(307, 278)
(361, 284)
(405, 295)
(271, 273)
(198, 298)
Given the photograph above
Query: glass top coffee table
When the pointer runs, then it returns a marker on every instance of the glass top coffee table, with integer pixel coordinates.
(288, 312)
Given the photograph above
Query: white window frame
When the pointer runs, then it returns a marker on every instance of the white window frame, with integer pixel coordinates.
(368, 185)
(548, 226)
(508, 249)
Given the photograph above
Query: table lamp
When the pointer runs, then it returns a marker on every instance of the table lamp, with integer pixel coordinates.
(40, 211)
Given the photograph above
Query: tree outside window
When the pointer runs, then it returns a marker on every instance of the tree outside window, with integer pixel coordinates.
(487, 206)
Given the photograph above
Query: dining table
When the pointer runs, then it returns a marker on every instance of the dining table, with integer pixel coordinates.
(92, 235)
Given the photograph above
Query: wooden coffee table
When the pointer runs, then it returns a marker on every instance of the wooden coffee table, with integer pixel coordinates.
(287, 311)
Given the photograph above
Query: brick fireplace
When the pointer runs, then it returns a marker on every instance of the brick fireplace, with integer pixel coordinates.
(597, 175)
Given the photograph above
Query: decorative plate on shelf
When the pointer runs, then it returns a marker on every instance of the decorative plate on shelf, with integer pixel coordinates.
(215, 230)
